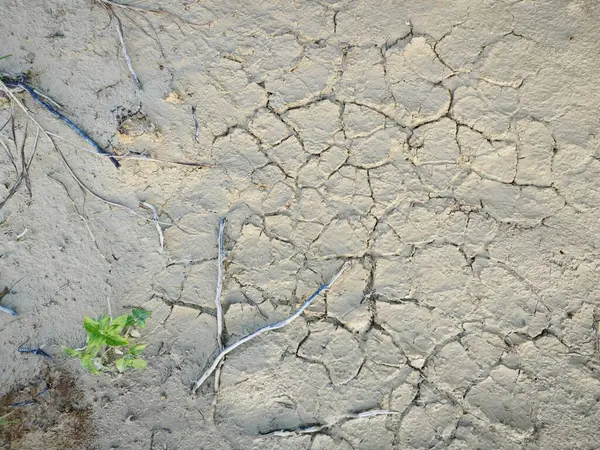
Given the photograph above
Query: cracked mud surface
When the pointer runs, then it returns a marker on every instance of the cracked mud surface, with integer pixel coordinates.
(449, 151)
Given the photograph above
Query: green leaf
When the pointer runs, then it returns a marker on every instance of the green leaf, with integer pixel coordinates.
(115, 341)
(121, 364)
(72, 352)
(137, 363)
(139, 316)
(94, 348)
(96, 340)
(88, 363)
(5, 56)
(137, 349)
(118, 324)
(90, 325)
(104, 322)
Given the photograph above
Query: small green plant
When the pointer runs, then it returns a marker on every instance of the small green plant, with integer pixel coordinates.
(110, 343)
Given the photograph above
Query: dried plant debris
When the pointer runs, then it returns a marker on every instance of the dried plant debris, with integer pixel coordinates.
(49, 414)
(321, 427)
(6, 309)
(196, 126)
(19, 83)
(3, 293)
(132, 124)
(20, 161)
(112, 7)
(79, 181)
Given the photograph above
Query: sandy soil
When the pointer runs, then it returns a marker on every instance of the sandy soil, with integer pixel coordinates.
(448, 149)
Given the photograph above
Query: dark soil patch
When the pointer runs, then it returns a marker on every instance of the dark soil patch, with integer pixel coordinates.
(50, 415)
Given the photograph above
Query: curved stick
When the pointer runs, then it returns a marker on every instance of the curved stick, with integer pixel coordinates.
(269, 327)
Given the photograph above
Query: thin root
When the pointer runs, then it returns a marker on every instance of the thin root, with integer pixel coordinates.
(81, 216)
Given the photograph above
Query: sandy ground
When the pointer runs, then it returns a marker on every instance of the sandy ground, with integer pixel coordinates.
(447, 149)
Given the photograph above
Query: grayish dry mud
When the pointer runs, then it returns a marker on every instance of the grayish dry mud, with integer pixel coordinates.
(447, 148)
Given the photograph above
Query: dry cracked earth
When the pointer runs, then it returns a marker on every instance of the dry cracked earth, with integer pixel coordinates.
(447, 150)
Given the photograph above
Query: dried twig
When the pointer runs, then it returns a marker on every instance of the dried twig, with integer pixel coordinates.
(11, 120)
(35, 146)
(111, 6)
(11, 157)
(196, 126)
(311, 429)
(143, 30)
(138, 157)
(83, 186)
(22, 234)
(66, 163)
(8, 310)
(7, 82)
(141, 9)
(82, 216)
(5, 292)
(25, 164)
(24, 171)
(219, 306)
(125, 52)
(98, 196)
(220, 285)
(266, 328)
(44, 96)
(130, 7)
(10, 117)
(161, 238)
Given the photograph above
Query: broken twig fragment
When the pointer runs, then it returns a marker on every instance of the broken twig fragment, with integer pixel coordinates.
(311, 429)
(196, 126)
(133, 155)
(218, 304)
(6, 309)
(270, 327)
(22, 234)
(161, 238)
(220, 285)
(34, 351)
(125, 52)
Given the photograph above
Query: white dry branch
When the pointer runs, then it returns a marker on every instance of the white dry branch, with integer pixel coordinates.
(22, 234)
(220, 285)
(161, 237)
(266, 328)
(125, 52)
(219, 307)
(196, 125)
(312, 429)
